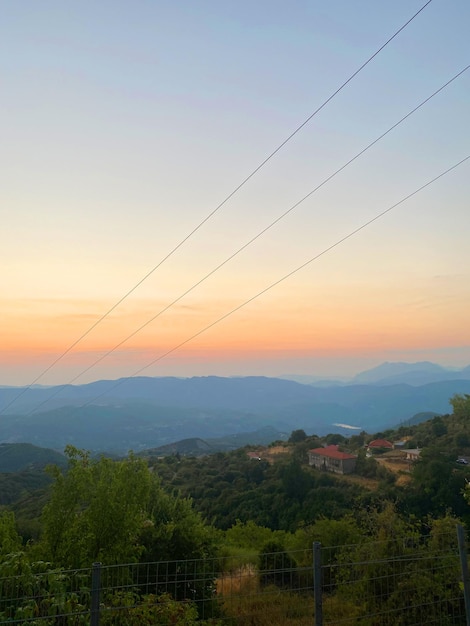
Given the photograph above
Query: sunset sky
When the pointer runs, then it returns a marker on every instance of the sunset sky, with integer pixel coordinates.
(124, 124)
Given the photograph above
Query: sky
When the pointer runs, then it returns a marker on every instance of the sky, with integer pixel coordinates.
(124, 125)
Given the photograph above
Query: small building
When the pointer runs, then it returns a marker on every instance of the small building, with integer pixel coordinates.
(331, 459)
(380, 444)
(254, 456)
(412, 454)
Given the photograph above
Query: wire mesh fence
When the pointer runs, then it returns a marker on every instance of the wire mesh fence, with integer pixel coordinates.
(228, 590)
(398, 581)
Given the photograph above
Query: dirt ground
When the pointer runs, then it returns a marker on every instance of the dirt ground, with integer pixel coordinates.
(395, 462)
(269, 454)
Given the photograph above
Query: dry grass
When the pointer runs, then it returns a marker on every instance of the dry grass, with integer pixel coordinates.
(395, 462)
(269, 607)
(338, 610)
(369, 483)
(279, 450)
(273, 453)
(243, 580)
(403, 479)
(245, 602)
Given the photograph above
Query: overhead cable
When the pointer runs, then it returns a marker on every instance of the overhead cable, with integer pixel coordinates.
(257, 236)
(215, 210)
(275, 283)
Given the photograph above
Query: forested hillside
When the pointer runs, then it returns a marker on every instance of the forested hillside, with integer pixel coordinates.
(244, 502)
(136, 414)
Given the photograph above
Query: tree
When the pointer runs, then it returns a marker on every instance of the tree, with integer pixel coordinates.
(173, 530)
(438, 427)
(335, 439)
(435, 485)
(115, 512)
(461, 405)
(296, 482)
(250, 536)
(10, 541)
(297, 436)
(462, 440)
(96, 511)
(366, 466)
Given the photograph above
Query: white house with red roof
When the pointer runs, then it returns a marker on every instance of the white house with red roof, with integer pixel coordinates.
(331, 459)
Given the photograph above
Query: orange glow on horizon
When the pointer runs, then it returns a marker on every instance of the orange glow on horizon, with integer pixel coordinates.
(36, 333)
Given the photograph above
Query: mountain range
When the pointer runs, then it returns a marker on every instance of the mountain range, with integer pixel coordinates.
(394, 373)
(140, 413)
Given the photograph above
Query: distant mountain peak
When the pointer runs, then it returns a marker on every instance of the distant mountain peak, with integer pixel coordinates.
(398, 368)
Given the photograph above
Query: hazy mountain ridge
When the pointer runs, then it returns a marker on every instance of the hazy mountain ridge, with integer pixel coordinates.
(17, 457)
(145, 412)
(247, 394)
(131, 426)
(200, 447)
(415, 374)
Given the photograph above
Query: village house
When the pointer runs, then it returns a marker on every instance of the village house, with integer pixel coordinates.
(412, 454)
(380, 444)
(331, 459)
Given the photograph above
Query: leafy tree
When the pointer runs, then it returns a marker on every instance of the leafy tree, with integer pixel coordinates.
(461, 405)
(366, 466)
(10, 541)
(436, 486)
(297, 436)
(96, 510)
(296, 482)
(462, 440)
(173, 529)
(357, 441)
(335, 439)
(438, 427)
(251, 537)
(115, 512)
(330, 533)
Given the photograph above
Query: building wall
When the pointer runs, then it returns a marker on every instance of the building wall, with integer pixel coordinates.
(316, 461)
(349, 465)
(339, 466)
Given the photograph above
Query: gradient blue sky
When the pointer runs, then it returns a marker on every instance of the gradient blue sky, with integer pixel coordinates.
(124, 124)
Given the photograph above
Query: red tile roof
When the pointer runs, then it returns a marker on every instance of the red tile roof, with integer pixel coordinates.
(332, 452)
(380, 443)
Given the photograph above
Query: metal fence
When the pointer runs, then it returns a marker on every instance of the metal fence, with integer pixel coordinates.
(417, 580)
(398, 581)
(227, 590)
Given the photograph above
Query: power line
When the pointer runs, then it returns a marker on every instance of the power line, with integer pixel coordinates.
(217, 208)
(257, 236)
(271, 225)
(280, 280)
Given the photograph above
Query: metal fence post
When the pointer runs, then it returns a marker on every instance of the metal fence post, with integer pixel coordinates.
(317, 583)
(95, 594)
(464, 569)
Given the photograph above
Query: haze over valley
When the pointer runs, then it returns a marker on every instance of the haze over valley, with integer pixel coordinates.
(139, 413)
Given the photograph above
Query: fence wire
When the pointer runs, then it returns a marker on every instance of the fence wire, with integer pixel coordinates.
(395, 582)
(226, 590)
